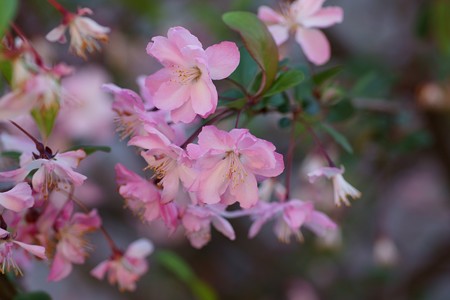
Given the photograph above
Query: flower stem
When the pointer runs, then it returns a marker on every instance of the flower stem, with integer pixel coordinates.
(320, 146)
(290, 156)
(59, 7)
(36, 55)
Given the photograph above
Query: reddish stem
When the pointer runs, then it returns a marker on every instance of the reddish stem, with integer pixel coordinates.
(321, 147)
(59, 7)
(290, 156)
(36, 55)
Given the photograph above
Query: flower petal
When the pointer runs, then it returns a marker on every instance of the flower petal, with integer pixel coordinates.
(204, 97)
(18, 198)
(269, 16)
(314, 44)
(325, 17)
(223, 59)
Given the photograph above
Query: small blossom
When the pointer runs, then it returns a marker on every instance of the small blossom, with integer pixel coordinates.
(125, 269)
(303, 17)
(7, 249)
(184, 86)
(53, 172)
(85, 33)
(197, 221)
(290, 217)
(72, 246)
(18, 198)
(342, 189)
(230, 163)
(170, 163)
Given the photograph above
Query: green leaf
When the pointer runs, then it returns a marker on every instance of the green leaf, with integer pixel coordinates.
(258, 41)
(339, 138)
(284, 122)
(181, 269)
(11, 154)
(89, 149)
(6, 69)
(285, 81)
(33, 296)
(8, 10)
(440, 15)
(323, 76)
(45, 118)
(341, 111)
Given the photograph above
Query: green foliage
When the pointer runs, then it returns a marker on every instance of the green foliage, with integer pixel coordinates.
(339, 138)
(285, 81)
(33, 296)
(258, 41)
(8, 10)
(11, 154)
(323, 76)
(440, 16)
(175, 264)
(341, 111)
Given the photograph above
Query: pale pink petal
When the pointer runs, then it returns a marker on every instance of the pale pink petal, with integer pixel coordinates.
(269, 16)
(18, 198)
(60, 268)
(314, 44)
(280, 33)
(305, 8)
(246, 192)
(171, 185)
(165, 51)
(184, 114)
(181, 37)
(328, 172)
(325, 17)
(36, 250)
(224, 227)
(139, 249)
(319, 223)
(213, 185)
(223, 59)
(57, 34)
(171, 95)
(204, 97)
(70, 158)
(212, 138)
(154, 81)
(296, 213)
(100, 270)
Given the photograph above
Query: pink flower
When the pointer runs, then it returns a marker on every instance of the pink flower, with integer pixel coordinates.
(51, 172)
(125, 269)
(170, 163)
(303, 17)
(18, 198)
(197, 222)
(144, 199)
(84, 32)
(230, 164)
(7, 245)
(72, 246)
(39, 90)
(290, 217)
(341, 187)
(132, 114)
(184, 86)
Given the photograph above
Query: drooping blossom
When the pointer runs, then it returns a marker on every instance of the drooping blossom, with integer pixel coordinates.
(342, 189)
(197, 221)
(184, 86)
(52, 172)
(230, 164)
(144, 198)
(290, 217)
(71, 247)
(85, 33)
(303, 17)
(132, 114)
(170, 163)
(38, 90)
(126, 268)
(18, 198)
(8, 246)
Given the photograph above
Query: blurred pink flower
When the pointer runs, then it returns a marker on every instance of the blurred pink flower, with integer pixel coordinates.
(341, 187)
(125, 269)
(72, 246)
(18, 198)
(303, 17)
(184, 86)
(197, 222)
(229, 164)
(7, 245)
(85, 33)
(290, 217)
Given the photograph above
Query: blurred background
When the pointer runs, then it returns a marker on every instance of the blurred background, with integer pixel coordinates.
(394, 107)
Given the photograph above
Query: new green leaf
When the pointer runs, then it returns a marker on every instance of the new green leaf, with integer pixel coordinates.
(285, 81)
